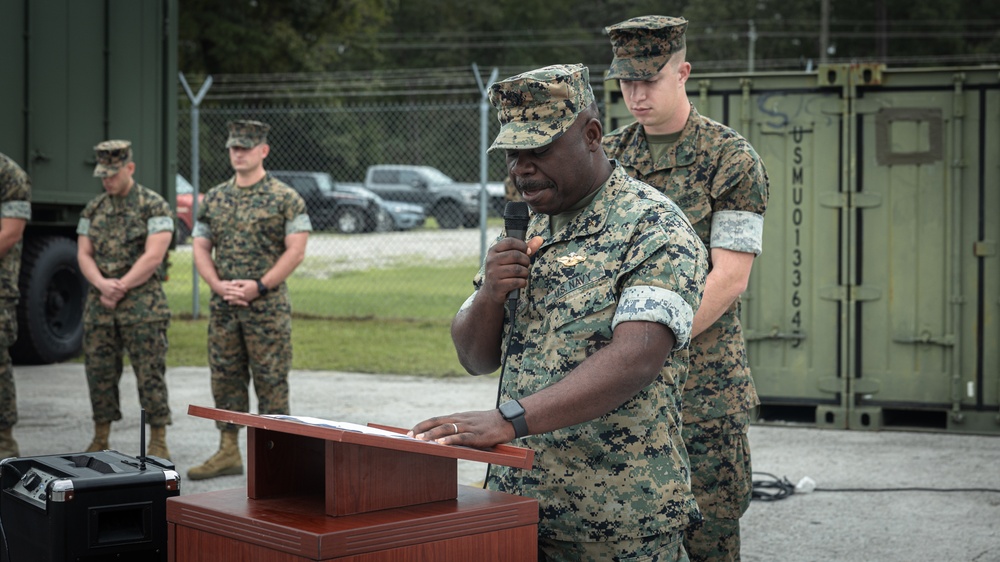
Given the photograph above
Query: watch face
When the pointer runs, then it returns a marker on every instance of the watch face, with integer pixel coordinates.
(511, 409)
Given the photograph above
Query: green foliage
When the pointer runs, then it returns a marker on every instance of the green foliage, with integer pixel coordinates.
(219, 36)
(365, 35)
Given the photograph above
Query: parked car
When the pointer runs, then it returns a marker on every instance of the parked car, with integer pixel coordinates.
(398, 215)
(453, 204)
(185, 217)
(344, 208)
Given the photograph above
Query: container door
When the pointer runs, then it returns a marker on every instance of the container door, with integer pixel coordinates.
(922, 257)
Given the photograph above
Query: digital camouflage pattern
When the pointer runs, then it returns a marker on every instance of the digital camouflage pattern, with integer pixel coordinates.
(118, 227)
(111, 156)
(15, 202)
(643, 45)
(667, 547)
(717, 178)
(722, 478)
(247, 227)
(536, 107)
(146, 345)
(246, 133)
(251, 342)
(629, 256)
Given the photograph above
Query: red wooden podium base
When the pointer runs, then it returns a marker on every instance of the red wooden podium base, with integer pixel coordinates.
(319, 492)
(228, 526)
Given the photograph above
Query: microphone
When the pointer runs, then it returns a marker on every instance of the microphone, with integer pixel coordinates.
(515, 223)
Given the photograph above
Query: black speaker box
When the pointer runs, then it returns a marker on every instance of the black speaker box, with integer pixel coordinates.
(85, 507)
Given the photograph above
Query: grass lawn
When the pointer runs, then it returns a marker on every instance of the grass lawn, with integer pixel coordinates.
(393, 320)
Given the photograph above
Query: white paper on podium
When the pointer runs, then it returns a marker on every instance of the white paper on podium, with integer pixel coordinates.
(345, 426)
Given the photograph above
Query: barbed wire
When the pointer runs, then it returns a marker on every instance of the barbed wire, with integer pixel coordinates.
(461, 82)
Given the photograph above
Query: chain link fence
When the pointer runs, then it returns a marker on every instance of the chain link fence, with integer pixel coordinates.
(373, 251)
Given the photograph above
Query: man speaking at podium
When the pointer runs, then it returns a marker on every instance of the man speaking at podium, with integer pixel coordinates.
(594, 349)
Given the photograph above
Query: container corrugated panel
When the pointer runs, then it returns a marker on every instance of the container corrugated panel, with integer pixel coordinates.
(875, 301)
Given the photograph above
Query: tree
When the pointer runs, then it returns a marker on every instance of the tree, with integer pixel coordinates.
(274, 36)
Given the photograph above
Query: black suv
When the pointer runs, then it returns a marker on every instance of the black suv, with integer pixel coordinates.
(347, 212)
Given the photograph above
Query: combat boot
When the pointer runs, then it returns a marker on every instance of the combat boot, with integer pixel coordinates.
(8, 445)
(101, 432)
(158, 442)
(225, 462)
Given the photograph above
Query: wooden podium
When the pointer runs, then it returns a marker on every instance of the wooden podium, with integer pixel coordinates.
(316, 492)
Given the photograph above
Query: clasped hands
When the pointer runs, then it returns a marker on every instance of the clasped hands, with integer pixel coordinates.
(112, 291)
(238, 292)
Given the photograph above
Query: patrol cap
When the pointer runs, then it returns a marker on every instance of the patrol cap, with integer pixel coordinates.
(245, 133)
(111, 155)
(536, 107)
(643, 45)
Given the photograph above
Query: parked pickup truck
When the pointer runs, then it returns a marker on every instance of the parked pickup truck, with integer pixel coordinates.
(451, 203)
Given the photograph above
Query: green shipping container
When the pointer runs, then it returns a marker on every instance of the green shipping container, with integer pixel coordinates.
(876, 299)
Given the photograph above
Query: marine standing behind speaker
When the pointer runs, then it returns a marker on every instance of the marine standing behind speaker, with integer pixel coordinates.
(250, 236)
(609, 279)
(719, 181)
(123, 238)
(15, 211)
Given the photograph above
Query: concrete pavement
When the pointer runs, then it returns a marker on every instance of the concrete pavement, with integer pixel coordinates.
(874, 526)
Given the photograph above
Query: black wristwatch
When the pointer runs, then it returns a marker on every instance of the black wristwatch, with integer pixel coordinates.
(262, 288)
(514, 413)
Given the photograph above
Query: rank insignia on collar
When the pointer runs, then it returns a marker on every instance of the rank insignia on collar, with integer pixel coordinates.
(572, 259)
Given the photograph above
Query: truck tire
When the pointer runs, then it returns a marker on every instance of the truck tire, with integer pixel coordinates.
(53, 293)
(448, 215)
(350, 221)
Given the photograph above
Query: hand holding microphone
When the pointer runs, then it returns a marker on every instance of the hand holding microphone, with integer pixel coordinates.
(515, 223)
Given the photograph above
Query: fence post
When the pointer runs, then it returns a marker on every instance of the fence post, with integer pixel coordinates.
(484, 127)
(195, 181)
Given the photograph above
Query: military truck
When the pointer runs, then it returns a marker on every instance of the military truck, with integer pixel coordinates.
(78, 72)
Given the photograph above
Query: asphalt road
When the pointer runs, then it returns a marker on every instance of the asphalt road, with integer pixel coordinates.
(874, 526)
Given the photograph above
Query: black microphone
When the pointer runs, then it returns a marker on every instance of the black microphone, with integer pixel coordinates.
(515, 223)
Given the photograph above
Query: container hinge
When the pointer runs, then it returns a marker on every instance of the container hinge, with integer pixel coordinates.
(774, 334)
(927, 338)
(984, 249)
(864, 200)
(833, 293)
(833, 200)
(865, 386)
(832, 385)
(860, 293)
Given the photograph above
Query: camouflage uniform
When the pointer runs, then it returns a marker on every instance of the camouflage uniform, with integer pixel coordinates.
(719, 181)
(247, 227)
(15, 202)
(117, 228)
(630, 255)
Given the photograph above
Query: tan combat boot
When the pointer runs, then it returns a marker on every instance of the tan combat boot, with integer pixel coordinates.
(158, 442)
(8, 445)
(101, 432)
(226, 461)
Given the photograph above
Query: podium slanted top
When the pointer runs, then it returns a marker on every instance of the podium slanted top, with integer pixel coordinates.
(372, 435)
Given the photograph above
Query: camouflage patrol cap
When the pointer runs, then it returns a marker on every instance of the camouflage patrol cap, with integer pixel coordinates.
(111, 155)
(538, 106)
(643, 45)
(245, 133)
